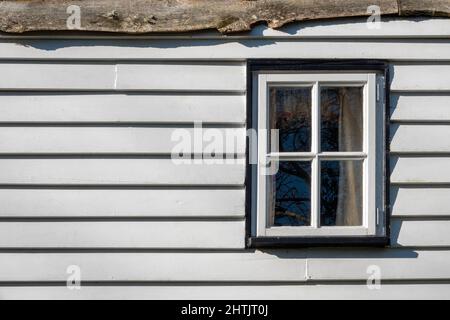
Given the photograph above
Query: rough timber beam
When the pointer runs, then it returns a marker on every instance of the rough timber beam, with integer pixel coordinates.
(150, 16)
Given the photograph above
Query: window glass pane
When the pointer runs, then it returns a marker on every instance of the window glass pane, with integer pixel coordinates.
(291, 195)
(341, 119)
(291, 114)
(341, 193)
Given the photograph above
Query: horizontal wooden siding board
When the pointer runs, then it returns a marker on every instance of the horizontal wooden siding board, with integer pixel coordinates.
(420, 201)
(126, 140)
(205, 76)
(124, 171)
(323, 265)
(417, 233)
(420, 108)
(121, 108)
(420, 170)
(420, 138)
(421, 77)
(113, 203)
(122, 234)
(241, 291)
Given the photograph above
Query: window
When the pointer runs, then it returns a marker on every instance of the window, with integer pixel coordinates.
(320, 167)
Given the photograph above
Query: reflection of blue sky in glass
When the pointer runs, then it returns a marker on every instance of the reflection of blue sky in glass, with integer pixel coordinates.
(292, 107)
(293, 194)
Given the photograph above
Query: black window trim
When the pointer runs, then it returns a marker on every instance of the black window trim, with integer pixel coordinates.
(317, 65)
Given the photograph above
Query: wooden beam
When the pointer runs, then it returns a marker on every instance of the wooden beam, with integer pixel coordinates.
(145, 16)
(156, 16)
(434, 8)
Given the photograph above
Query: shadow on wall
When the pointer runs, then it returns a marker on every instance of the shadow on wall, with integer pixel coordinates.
(53, 45)
(202, 38)
(344, 253)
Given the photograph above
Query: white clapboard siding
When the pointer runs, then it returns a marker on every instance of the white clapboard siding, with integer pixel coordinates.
(420, 138)
(145, 76)
(154, 266)
(122, 140)
(175, 234)
(420, 77)
(357, 28)
(421, 108)
(238, 50)
(240, 291)
(400, 264)
(328, 264)
(420, 170)
(124, 234)
(182, 76)
(122, 203)
(48, 76)
(126, 171)
(85, 182)
(433, 201)
(121, 108)
(425, 233)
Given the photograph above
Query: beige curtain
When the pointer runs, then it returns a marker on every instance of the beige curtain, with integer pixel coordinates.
(349, 210)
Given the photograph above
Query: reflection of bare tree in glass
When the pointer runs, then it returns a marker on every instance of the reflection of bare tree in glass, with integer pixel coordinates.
(329, 192)
(330, 113)
(292, 107)
(341, 130)
(293, 194)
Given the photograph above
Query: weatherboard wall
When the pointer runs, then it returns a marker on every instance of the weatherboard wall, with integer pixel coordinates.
(86, 177)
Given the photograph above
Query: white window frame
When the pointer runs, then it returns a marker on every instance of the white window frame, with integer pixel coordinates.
(262, 81)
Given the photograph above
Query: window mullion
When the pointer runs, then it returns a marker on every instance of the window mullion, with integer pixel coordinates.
(315, 149)
(300, 156)
(341, 156)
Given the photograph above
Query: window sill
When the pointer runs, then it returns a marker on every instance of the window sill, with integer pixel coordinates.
(305, 242)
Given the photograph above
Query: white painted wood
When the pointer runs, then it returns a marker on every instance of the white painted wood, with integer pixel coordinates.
(124, 140)
(315, 150)
(356, 28)
(241, 291)
(307, 79)
(155, 266)
(121, 108)
(119, 172)
(182, 76)
(172, 234)
(420, 108)
(239, 49)
(420, 170)
(368, 82)
(268, 266)
(430, 233)
(99, 76)
(46, 76)
(401, 264)
(420, 201)
(123, 234)
(422, 138)
(420, 77)
(122, 203)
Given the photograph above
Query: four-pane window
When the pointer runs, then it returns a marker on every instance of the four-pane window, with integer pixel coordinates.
(320, 148)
